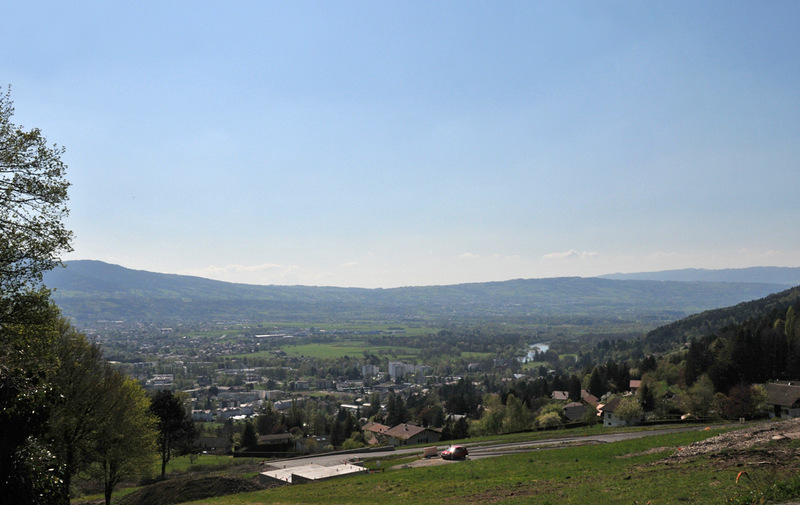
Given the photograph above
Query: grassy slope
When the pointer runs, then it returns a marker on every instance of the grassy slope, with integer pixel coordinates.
(621, 473)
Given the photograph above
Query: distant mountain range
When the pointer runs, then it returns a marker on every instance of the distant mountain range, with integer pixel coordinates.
(91, 291)
(785, 276)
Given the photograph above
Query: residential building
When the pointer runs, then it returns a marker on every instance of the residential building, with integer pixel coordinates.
(783, 399)
(574, 411)
(411, 434)
(610, 417)
(369, 371)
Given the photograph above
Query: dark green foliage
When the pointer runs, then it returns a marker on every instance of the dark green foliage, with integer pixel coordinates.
(33, 195)
(596, 383)
(176, 430)
(268, 420)
(249, 437)
(396, 412)
(715, 321)
(461, 398)
(646, 397)
(81, 407)
(574, 388)
(455, 429)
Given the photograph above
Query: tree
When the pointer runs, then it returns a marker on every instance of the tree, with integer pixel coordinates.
(791, 321)
(548, 420)
(126, 442)
(646, 397)
(249, 437)
(176, 430)
(574, 388)
(33, 196)
(33, 193)
(596, 386)
(630, 411)
(396, 412)
(81, 406)
(700, 397)
(517, 416)
(268, 419)
(742, 402)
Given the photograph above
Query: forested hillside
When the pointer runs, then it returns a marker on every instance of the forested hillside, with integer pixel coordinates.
(710, 322)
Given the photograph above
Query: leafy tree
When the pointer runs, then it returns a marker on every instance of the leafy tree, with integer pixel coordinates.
(355, 441)
(491, 421)
(700, 397)
(28, 471)
(742, 401)
(33, 193)
(126, 442)
(176, 430)
(82, 406)
(517, 416)
(629, 410)
(791, 321)
(548, 420)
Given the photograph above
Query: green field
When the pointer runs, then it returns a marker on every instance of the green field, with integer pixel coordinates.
(616, 473)
(352, 349)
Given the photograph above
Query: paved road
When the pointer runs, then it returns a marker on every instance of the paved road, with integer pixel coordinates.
(487, 449)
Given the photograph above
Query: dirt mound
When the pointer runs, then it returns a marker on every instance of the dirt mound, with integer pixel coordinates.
(763, 443)
(181, 490)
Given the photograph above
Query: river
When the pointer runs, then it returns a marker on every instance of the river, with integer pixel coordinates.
(533, 349)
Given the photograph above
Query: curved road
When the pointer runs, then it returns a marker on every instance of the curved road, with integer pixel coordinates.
(485, 449)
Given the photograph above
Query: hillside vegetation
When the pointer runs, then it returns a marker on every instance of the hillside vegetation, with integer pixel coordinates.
(713, 321)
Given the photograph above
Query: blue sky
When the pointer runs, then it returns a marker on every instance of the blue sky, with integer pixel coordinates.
(383, 144)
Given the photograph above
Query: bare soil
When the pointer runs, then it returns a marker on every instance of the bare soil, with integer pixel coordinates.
(768, 443)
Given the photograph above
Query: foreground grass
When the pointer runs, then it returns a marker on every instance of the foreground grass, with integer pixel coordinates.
(618, 473)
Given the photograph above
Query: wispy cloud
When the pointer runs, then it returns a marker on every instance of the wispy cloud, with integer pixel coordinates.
(232, 269)
(571, 254)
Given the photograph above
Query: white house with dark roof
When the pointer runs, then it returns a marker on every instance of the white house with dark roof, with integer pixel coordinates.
(783, 399)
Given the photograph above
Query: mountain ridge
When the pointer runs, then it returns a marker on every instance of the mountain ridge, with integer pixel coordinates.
(788, 276)
(89, 290)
